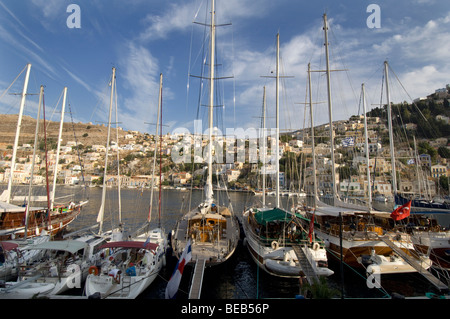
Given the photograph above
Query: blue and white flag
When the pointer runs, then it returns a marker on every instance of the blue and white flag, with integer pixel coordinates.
(348, 141)
(174, 282)
(410, 161)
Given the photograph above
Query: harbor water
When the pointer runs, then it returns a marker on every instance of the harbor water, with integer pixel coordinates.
(239, 277)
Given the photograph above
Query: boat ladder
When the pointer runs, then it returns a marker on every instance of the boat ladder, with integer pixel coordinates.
(307, 268)
(126, 285)
(197, 280)
(416, 265)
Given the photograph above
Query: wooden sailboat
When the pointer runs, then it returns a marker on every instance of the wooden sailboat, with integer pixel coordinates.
(25, 222)
(212, 229)
(276, 238)
(355, 234)
(427, 235)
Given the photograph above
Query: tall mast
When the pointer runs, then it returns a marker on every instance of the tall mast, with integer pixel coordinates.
(363, 90)
(391, 138)
(19, 124)
(277, 139)
(209, 192)
(157, 137)
(119, 197)
(330, 107)
(312, 135)
(55, 170)
(160, 153)
(102, 206)
(33, 161)
(264, 150)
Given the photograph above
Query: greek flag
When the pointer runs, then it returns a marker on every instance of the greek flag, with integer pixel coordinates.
(348, 141)
(410, 161)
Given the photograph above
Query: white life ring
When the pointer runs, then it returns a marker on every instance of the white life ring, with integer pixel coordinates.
(274, 245)
(316, 246)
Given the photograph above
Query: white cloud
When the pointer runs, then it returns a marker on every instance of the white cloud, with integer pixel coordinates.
(50, 8)
(179, 17)
(138, 74)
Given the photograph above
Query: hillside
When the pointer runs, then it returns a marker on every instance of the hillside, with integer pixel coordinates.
(87, 134)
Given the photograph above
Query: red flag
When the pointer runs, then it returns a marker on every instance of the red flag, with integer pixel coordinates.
(401, 212)
(311, 228)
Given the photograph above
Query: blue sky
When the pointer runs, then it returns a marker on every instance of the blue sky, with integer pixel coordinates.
(143, 38)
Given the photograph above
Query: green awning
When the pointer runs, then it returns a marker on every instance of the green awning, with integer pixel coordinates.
(275, 214)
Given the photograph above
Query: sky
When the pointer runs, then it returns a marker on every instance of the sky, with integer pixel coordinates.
(77, 48)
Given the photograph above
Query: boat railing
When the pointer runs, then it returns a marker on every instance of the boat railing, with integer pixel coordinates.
(368, 233)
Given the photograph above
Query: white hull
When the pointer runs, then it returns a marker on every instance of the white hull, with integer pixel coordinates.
(146, 263)
(129, 288)
(28, 289)
(283, 261)
(382, 265)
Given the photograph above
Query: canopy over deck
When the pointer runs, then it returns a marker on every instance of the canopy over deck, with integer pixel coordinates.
(130, 244)
(71, 246)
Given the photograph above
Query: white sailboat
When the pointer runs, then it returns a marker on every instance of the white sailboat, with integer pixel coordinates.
(213, 229)
(276, 238)
(62, 265)
(129, 267)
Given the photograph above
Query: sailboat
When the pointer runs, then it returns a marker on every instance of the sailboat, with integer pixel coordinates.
(276, 238)
(212, 229)
(64, 264)
(355, 234)
(115, 234)
(145, 232)
(26, 222)
(427, 235)
(129, 267)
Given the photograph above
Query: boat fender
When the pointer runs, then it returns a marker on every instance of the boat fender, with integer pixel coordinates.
(245, 242)
(93, 270)
(274, 245)
(316, 246)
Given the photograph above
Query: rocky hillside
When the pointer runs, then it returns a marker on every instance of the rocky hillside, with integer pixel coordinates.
(87, 134)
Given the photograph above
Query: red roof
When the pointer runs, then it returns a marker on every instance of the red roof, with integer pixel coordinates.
(8, 245)
(130, 244)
